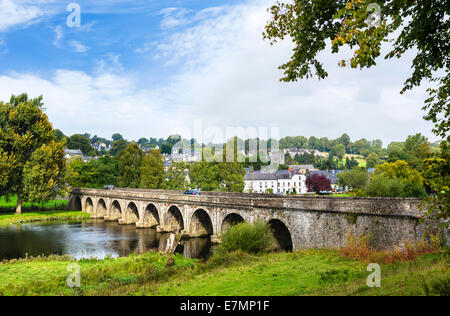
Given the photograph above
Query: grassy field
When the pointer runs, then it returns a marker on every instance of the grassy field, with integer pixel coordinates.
(312, 272)
(37, 216)
(11, 203)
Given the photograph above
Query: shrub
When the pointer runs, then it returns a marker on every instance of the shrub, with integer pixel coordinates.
(248, 237)
(382, 186)
(362, 248)
(317, 183)
(437, 287)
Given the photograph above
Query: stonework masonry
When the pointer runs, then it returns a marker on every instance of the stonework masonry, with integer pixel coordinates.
(299, 222)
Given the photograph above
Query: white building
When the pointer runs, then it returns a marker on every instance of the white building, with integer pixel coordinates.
(279, 182)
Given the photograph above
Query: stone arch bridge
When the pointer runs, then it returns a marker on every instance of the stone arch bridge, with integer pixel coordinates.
(297, 222)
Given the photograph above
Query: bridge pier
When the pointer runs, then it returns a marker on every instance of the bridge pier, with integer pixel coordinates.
(123, 221)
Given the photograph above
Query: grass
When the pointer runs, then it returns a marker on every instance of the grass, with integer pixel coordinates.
(10, 204)
(311, 272)
(37, 216)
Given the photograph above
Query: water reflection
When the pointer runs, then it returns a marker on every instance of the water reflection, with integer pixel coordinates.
(95, 238)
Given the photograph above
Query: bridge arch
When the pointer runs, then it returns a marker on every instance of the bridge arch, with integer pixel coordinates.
(281, 235)
(89, 206)
(116, 211)
(77, 206)
(101, 209)
(173, 219)
(151, 218)
(231, 220)
(201, 224)
(132, 213)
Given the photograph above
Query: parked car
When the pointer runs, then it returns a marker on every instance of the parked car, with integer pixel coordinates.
(192, 192)
(108, 187)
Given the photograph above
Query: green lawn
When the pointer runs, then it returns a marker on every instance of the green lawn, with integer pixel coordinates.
(11, 203)
(34, 216)
(312, 272)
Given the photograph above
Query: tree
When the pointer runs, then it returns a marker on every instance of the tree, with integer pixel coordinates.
(372, 160)
(59, 136)
(46, 172)
(118, 146)
(82, 143)
(231, 176)
(318, 183)
(422, 26)
(115, 137)
(437, 176)
(396, 179)
(355, 178)
(177, 176)
(152, 170)
(94, 173)
(205, 176)
(338, 151)
(130, 162)
(26, 136)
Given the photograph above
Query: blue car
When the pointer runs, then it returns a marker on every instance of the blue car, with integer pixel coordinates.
(192, 192)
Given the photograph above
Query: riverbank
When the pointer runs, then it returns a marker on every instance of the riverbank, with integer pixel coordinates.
(311, 272)
(41, 216)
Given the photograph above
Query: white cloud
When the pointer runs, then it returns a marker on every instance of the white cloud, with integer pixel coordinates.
(101, 104)
(226, 75)
(14, 13)
(78, 47)
(59, 35)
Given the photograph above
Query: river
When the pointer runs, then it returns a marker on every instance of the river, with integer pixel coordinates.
(87, 239)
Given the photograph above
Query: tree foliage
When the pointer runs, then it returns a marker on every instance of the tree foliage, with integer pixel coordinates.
(355, 178)
(82, 143)
(318, 183)
(94, 173)
(152, 171)
(130, 161)
(422, 26)
(437, 176)
(26, 137)
(396, 179)
(177, 176)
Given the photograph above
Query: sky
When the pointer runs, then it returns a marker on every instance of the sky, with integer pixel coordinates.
(151, 68)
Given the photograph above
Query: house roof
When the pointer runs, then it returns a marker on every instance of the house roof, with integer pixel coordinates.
(260, 176)
(73, 152)
(307, 167)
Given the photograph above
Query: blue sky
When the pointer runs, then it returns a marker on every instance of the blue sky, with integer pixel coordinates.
(150, 68)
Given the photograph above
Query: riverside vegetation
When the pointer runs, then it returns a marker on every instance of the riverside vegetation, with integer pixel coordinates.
(233, 271)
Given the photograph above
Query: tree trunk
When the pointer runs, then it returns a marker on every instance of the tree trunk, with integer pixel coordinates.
(19, 205)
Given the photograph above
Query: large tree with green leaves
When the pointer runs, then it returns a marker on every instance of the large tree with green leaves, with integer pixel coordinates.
(177, 176)
(130, 161)
(152, 170)
(82, 143)
(32, 164)
(420, 26)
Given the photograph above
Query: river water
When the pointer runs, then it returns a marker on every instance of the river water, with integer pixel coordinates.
(93, 238)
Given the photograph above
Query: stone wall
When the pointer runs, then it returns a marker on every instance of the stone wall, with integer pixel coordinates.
(312, 221)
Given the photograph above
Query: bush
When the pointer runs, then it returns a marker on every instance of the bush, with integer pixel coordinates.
(381, 186)
(437, 287)
(248, 237)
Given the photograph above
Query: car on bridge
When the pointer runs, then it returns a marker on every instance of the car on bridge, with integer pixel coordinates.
(108, 187)
(192, 192)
